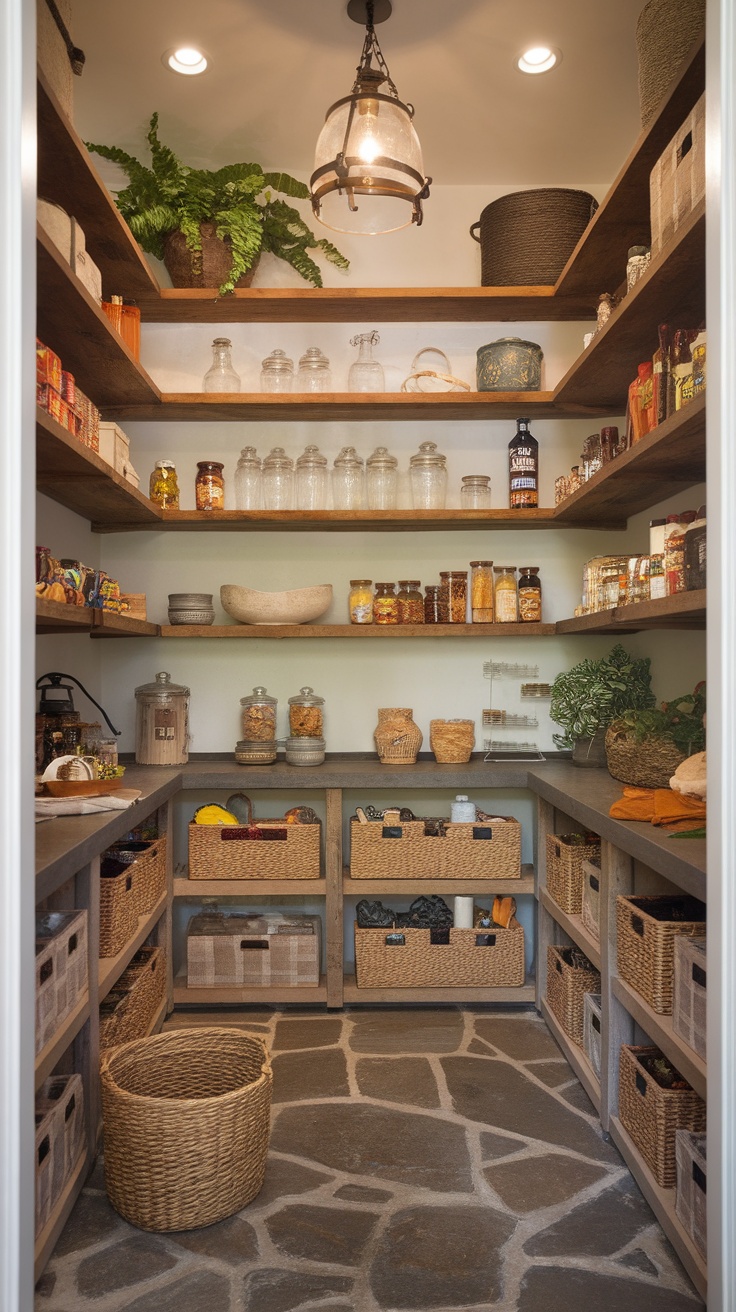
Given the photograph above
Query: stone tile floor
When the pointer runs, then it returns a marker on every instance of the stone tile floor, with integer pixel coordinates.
(420, 1160)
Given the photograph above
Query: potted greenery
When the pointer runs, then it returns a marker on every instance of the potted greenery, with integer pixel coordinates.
(645, 747)
(585, 699)
(210, 227)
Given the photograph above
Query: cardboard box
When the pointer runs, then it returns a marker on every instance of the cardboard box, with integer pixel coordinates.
(114, 446)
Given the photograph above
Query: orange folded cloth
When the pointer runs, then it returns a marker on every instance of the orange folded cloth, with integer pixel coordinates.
(660, 806)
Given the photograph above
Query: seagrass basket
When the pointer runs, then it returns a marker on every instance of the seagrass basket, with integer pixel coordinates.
(130, 1008)
(567, 986)
(647, 764)
(397, 737)
(666, 30)
(186, 1120)
(652, 1115)
(646, 931)
(408, 958)
(118, 906)
(484, 851)
(566, 854)
(452, 741)
(266, 849)
(147, 864)
(592, 898)
(527, 237)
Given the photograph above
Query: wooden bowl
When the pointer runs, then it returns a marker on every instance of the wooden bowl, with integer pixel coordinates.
(297, 606)
(81, 787)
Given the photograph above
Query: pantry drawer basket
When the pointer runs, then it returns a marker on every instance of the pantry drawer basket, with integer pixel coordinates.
(489, 850)
(61, 969)
(244, 951)
(592, 898)
(565, 856)
(690, 992)
(242, 851)
(471, 958)
(567, 985)
(118, 906)
(59, 1142)
(186, 1119)
(692, 1179)
(647, 928)
(147, 863)
(651, 1115)
(592, 1030)
(129, 1010)
(527, 237)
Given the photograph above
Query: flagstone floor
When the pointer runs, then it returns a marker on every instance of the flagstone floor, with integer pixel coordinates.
(421, 1161)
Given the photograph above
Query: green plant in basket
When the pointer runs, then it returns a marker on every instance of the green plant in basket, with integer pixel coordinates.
(588, 697)
(680, 721)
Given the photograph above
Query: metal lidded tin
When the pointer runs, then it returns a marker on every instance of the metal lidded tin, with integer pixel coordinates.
(509, 365)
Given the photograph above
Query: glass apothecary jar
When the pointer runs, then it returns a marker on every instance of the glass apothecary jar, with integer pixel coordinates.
(453, 596)
(278, 480)
(432, 603)
(385, 604)
(221, 377)
(259, 716)
(361, 601)
(209, 485)
(311, 479)
(164, 485)
(366, 374)
(348, 480)
(411, 602)
(505, 595)
(277, 372)
(475, 492)
(248, 478)
(306, 714)
(382, 479)
(314, 372)
(428, 477)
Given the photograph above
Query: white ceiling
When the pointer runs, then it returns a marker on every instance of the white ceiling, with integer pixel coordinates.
(276, 66)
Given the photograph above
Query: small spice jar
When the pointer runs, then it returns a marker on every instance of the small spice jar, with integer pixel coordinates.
(385, 604)
(164, 485)
(361, 601)
(209, 485)
(475, 493)
(530, 594)
(306, 716)
(504, 594)
(432, 603)
(259, 716)
(637, 264)
(411, 603)
(481, 591)
(454, 610)
(277, 372)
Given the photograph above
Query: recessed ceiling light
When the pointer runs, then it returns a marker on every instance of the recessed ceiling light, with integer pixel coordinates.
(185, 59)
(538, 59)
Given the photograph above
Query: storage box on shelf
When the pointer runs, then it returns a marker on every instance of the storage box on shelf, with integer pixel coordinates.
(61, 969)
(592, 1030)
(646, 931)
(292, 851)
(146, 864)
(651, 1114)
(691, 1186)
(566, 854)
(118, 906)
(256, 951)
(484, 850)
(677, 182)
(689, 1006)
(569, 977)
(410, 958)
(130, 1008)
(60, 1136)
(592, 898)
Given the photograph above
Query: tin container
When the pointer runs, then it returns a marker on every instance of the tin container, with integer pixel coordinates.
(162, 722)
(509, 365)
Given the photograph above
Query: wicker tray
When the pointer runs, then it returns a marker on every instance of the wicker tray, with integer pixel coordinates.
(565, 856)
(592, 898)
(128, 1011)
(240, 852)
(118, 906)
(646, 943)
(652, 1115)
(690, 992)
(471, 957)
(481, 851)
(148, 868)
(692, 1178)
(566, 989)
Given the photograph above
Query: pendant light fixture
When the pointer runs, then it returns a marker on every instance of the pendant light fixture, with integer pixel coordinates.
(368, 171)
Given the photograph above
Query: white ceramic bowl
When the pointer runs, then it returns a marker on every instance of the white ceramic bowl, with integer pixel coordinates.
(297, 606)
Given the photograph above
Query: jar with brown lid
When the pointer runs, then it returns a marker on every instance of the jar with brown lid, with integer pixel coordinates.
(385, 604)
(505, 598)
(209, 485)
(453, 596)
(432, 603)
(306, 715)
(481, 591)
(530, 594)
(411, 604)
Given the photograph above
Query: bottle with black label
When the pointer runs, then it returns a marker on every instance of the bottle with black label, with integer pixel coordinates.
(523, 468)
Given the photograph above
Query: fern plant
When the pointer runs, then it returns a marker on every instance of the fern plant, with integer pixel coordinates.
(238, 199)
(593, 693)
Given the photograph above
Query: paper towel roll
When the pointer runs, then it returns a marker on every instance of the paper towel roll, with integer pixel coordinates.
(463, 914)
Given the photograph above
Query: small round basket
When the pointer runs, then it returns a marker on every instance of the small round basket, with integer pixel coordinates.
(452, 741)
(186, 1126)
(647, 764)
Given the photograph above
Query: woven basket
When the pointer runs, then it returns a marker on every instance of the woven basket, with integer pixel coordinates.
(240, 852)
(592, 1030)
(452, 741)
(483, 851)
(690, 992)
(527, 237)
(147, 864)
(239, 951)
(646, 930)
(397, 737)
(665, 33)
(186, 1125)
(209, 267)
(692, 1173)
(118, 907)
(566, 989)
(129, 1009)
(490, 959)
(565, 856)
(648, 764)
(652, 1115)
(592, 898)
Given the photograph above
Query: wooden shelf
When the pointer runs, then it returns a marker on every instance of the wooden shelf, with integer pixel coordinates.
(111, 968)
(57, 617)
(660, 1031)
(575, 1056)
(483, 888)
(81, 480)
(109, 625)
(684, 610)
(573, 927)
(359, 631)
(240, 888)
(49, 1055)
(46, 1238)
(360, 521)
(269, 995)
(524, 993)
(662, 1203)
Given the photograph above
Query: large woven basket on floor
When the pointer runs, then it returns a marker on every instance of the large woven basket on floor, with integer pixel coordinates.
(666, 30)
(647, 764)
(186, 1124)
(527, 237)
(652, 1115)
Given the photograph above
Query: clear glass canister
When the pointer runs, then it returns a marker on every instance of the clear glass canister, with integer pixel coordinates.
(366, 374)
(164, 485)
(385, 604)
(221, 377)
(481, 591)
(432, 603)
(475, 492)
(311, 479)
(306, 714)
(411, 602)
(259, 716)
(453, 596)
(278, 480)
(209, 485)
(162, 722)
(277, 372)
(248, 477)
(348, 480)
(428, 476)
(361, 601)
(382, 479)
(530, 594)
(314, 372)
(504, 594)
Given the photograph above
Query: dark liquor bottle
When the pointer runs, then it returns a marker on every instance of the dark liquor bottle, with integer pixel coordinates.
(523, 468)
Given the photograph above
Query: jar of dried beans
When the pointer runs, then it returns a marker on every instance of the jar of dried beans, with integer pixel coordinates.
(411, 603)
(306, 716)
(259, 716)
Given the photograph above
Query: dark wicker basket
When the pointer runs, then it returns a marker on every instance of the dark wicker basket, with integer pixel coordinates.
(527, 237)
(666, 30)
(209, 267)
(647, 764)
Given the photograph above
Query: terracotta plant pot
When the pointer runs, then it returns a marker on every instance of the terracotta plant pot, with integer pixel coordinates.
(209, 267)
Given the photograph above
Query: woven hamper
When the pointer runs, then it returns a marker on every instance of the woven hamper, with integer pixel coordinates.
(645, 949)
(241, 852)
(651, 1115)
(186, 1119)
(118, 906)
(666, 30)
(484, 851)
(129, 1009)
(566, 854)
(692, 1180)
(147, 864)
(566, 989)
(471, 957)
(690, 992)
(246, 951)
(527, 237)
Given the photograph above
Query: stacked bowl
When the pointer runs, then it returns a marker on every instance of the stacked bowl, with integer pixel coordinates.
(191, 608)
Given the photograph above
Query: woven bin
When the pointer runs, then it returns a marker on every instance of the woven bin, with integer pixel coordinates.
(240, 852)
(592, 1030)
(566, 989)
(646, 929)
(129, 1009)
(648, 764)
(118, 906)
(690, 996)
(666, 30)
(147, 863)
(484, 851)
(592, 898)
(565, 856)
(186, 1119)
(651, 1115)
(245, 951)
(452, 741)
(692, 1179)
(59, 1116)
(61, 969)
(490, 959)
(527, 237)
(489, 850)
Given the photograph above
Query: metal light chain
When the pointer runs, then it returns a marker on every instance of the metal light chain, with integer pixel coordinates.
(371, 48)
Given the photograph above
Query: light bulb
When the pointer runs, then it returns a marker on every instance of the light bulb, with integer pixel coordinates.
(185, 59)
(538, 59)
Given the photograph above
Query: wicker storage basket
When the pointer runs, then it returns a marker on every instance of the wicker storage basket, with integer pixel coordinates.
(565, 856)
(452, 741)
(677, 181)
(186, 1120)
(61, 969)
(243, 851)
(147, 864)
(471, 957)
(692, 1178)
(592, 898)
(59, 1139)
(690, 992)
(592, 1030)
(646, 928)
(258, 951)
(651, 1114)
(566, 988)
(527, 237)
(648, 764)
(665, 32)
(484, 851)
(129, 1009)
(397, 737)
(118, 906)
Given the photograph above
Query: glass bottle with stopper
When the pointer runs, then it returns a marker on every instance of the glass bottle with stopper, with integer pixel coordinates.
(221, 377)
(366, 374)
(523, 468)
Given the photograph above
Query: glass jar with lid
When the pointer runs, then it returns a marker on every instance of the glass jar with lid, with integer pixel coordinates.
(221, 377)
(411, 602)
(278, 480)
(311, 479)
(475, 493)
(209, 485)
(277, 372)
(385, 604)
(432, 603)
(348, 480)
(164, 485)
(453, 596)
(428, 476)
(248, 480)
(306, 714)
(481, 591)
(382, 479)
(259, 716)
(530, 594)
(361, 601)
(314, 372)
(505, 595)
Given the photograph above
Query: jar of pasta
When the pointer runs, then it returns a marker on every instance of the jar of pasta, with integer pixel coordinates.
(530, 594)
(481, 591)
(306, 717)
(504, 594)
(385, 604)
(456, 581)
(209, 486)
(411, 603)
(259, 716)
(361, 601)
(432, 603)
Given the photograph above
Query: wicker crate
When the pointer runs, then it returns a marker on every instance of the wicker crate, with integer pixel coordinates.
(406, 851)
(651, 1114)
(407, 958)
(647, 928)
(592, 1030)
(147, 864)
(243, 851)
(565, 856)
(61, 969)
(482, 851)
(59, 1140)
(567, 985)
(677, 181)
(118, 906)
(258, 951)
(592, 898)
(690, 992)
(129, 1009)
(690, 1198)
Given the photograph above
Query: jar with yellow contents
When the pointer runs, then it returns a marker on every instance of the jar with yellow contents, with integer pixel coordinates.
(505, 597)
(164, 485)
(361, 601)
(385, 604)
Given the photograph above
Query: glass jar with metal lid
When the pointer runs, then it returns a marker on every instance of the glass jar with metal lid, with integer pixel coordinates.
(428, 477)
(277, 372)
(306, 715)
(475, 493)
(311, 479)
(382, 479)
(248, 478)
(278, 480)
(164, 485)
(162, 722)
(348, 480)
(259, 716)
(411, 602)
(314, 372)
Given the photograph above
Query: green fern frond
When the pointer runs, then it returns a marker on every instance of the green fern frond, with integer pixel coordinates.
(287, 185)
(242, 228)
(297, 257)
(332, 254)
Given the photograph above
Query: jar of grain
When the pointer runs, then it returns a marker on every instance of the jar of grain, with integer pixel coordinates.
(259, 716)
(481, 591)
(385, 604)
(453, 596)
(505, 596)
(432, 603)
(306, 717)
(411, 604)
